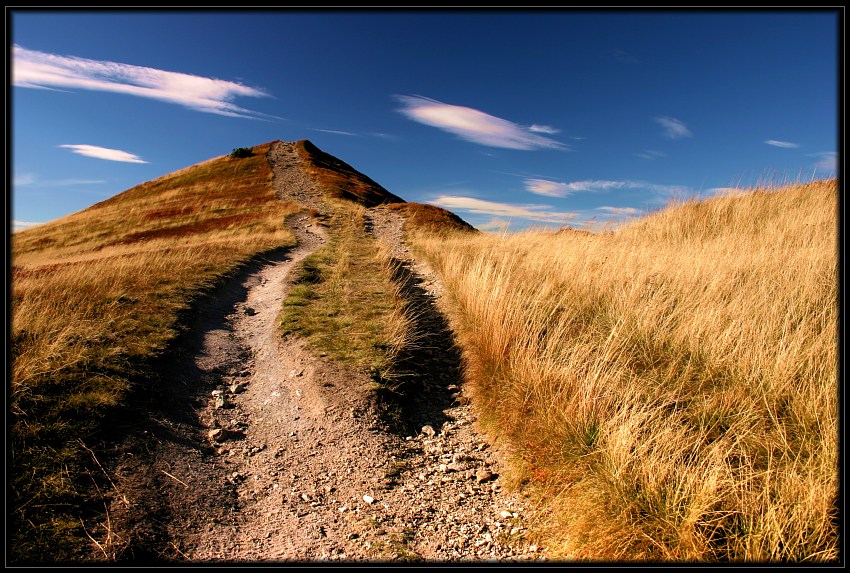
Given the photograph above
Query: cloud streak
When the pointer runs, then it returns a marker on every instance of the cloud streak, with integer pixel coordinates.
(544, 129)
(620, 211)
(476, 126)
(21, 225)
(650, 154)
(104, 153)
(560, 189)
(33, 69)
(539, 213)
(30, 180)
(784, 144)
(336, 132)
(673, 128)
(828, 162)
(547, 188)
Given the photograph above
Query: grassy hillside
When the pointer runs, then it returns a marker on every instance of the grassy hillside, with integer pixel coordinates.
(100, 295)
(671, 388)
(96, 296)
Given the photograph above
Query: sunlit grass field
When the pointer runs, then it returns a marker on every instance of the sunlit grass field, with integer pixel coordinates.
(669, 389)
(95, 297)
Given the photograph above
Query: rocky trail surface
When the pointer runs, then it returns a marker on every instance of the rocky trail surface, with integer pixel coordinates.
(264, 451)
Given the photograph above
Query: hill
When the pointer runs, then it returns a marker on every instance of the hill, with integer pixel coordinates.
(101, 297)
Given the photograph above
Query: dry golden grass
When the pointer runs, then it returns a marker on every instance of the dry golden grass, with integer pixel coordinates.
(670, 389)
(96, 296)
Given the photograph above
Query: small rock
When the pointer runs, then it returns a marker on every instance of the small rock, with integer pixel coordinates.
(369, 499)
(237, 388)
(484, 475)
(505, 514)
(220, 402)
(428, 430)
(221, 435)
(457, 467)
(250, 311)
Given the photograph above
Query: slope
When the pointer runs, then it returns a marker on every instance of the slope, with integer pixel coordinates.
(103, 298)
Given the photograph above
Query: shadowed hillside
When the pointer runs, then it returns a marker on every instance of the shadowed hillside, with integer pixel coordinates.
(340, 180)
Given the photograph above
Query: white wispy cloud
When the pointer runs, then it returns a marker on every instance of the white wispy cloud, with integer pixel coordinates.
(828, 162)
(23, 179)
(602, 185)
(785, 144)
(547, 188)
(21, 225)
(104, 153)
(476, 126)
(33, 69)
(650, 154)
(495, 224)
(619, 211)
(544, 129)
(31, 180)
(673, 128)
(539, 213)
(336, 132)
(561, 189)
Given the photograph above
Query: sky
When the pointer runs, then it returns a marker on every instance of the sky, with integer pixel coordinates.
(512, 119)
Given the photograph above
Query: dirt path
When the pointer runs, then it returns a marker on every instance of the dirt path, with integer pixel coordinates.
(280, 455)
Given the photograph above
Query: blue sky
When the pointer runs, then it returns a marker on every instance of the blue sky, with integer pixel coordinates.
(509, 118)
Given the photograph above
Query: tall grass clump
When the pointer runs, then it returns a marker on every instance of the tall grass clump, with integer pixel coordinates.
(669, 389)
(95, 298)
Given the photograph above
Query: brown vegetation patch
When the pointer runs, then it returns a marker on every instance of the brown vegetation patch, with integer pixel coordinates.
(341, 180)
(574, 231)
(197, 228)
(171, 212)
(431, 218)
